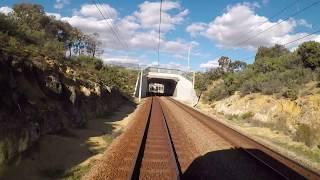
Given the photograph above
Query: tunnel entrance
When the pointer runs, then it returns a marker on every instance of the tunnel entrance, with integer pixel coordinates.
(161, 87)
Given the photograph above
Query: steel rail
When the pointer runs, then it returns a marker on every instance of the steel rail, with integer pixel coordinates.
(280, 164)
(135, 171)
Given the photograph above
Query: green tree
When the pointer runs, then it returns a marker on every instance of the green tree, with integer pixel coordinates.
(275, 51)
(7, 25)
(309, 53)
(237, 66)
(201, 82)
(224, 62)
(93, 45)
(29, 14)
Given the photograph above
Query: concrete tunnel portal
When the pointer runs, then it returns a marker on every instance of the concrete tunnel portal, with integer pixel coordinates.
(169, 86)
(166, 82)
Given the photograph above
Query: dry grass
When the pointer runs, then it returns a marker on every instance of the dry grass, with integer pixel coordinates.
(270, 136)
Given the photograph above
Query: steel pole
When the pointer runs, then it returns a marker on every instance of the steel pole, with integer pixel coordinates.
(189, 57)
(140, 87)
(193, 79)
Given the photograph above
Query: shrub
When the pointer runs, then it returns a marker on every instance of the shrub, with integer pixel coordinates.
(271, 87)
(275, 71)
(290, 93)
(248, 87)
(98, 65)
(309, 53)
(217, 93)
(304, 134)
(232, 82)
(247, 115)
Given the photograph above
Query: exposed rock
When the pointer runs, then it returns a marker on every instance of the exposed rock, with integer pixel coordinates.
(299, 118)
(41, 98)
(73, 95)
(97, 89)
(86, 91)
(53, 83)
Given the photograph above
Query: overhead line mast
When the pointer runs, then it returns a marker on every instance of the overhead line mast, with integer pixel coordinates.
(159, 34)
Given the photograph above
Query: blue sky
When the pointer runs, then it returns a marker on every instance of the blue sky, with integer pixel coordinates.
(211, 27)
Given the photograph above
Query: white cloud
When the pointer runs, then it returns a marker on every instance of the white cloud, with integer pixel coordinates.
(136, 30)
(59, 4)
(232, 28)
(5, 10)
(303, 22)
(210, 64)
(180, 56)
(121, 59)
(169, 65)
(139, 30)
(149, 13)
(194, 28)
(173, 65)
(91, 10)
(175, 46)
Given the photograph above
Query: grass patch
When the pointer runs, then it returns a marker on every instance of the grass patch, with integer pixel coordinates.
(311, 154)
(77, 172)
(304, 134)
(247, 115)
(233, 117)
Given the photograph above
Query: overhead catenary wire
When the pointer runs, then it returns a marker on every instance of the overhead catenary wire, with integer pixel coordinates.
(273, 16)
(290, 42)
(115, 27)
(159, 40)
(273, 26)
(301, 38)
(111, 26)
(281, 21)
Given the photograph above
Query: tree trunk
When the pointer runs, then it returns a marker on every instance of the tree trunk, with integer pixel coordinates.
(198, 99)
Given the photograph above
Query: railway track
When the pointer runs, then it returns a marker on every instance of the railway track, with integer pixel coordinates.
(156, 158)
(284, 167)
(155, 147)
(144, 151)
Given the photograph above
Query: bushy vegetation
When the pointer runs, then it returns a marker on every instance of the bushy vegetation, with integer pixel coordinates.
(116, 76)
(275, 71)
(29, 34)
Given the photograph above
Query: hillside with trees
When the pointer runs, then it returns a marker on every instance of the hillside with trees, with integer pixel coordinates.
(275, 71)
(51, 79)
(279, 91)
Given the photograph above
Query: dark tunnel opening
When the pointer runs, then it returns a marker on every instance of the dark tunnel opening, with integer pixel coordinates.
(161, 87)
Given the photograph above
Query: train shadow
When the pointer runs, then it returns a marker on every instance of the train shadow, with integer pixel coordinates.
(237, 164)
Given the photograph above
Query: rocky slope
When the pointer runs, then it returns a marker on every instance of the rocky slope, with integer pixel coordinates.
(299, 118)
(42, 96)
